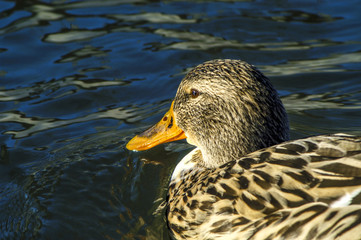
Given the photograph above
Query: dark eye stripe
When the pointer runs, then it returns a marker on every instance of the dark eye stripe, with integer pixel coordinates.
(194, 93)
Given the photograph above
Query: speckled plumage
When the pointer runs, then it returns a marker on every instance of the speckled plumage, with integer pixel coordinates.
(245, 180)
(282, 192)
(237, 111)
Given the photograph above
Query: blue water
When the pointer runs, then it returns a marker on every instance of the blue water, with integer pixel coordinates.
(79, 78)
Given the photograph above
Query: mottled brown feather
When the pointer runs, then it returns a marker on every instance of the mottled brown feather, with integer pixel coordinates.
(246, 180)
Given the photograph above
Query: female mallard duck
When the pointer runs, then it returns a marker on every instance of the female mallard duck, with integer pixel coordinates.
(243, 181)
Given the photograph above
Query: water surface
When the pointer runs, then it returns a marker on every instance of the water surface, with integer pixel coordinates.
(79, 78)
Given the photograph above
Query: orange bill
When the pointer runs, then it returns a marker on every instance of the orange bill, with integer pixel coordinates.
(164, 131)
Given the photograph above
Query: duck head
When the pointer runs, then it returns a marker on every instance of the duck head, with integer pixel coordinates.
(227, 108)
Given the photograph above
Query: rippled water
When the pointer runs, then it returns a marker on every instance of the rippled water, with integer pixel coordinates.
(79, 78)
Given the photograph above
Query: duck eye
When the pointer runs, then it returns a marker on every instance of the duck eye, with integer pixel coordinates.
(194, 93)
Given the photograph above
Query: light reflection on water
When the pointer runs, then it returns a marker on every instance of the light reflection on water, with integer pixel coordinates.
(79, 78)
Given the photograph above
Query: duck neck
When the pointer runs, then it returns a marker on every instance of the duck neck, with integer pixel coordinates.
(232, 144)
(217, 152)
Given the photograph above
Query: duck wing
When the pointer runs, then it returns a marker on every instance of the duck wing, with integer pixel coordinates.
(308, 186)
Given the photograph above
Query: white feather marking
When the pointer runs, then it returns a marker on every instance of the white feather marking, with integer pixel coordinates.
(346, 199)
(185, 164)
